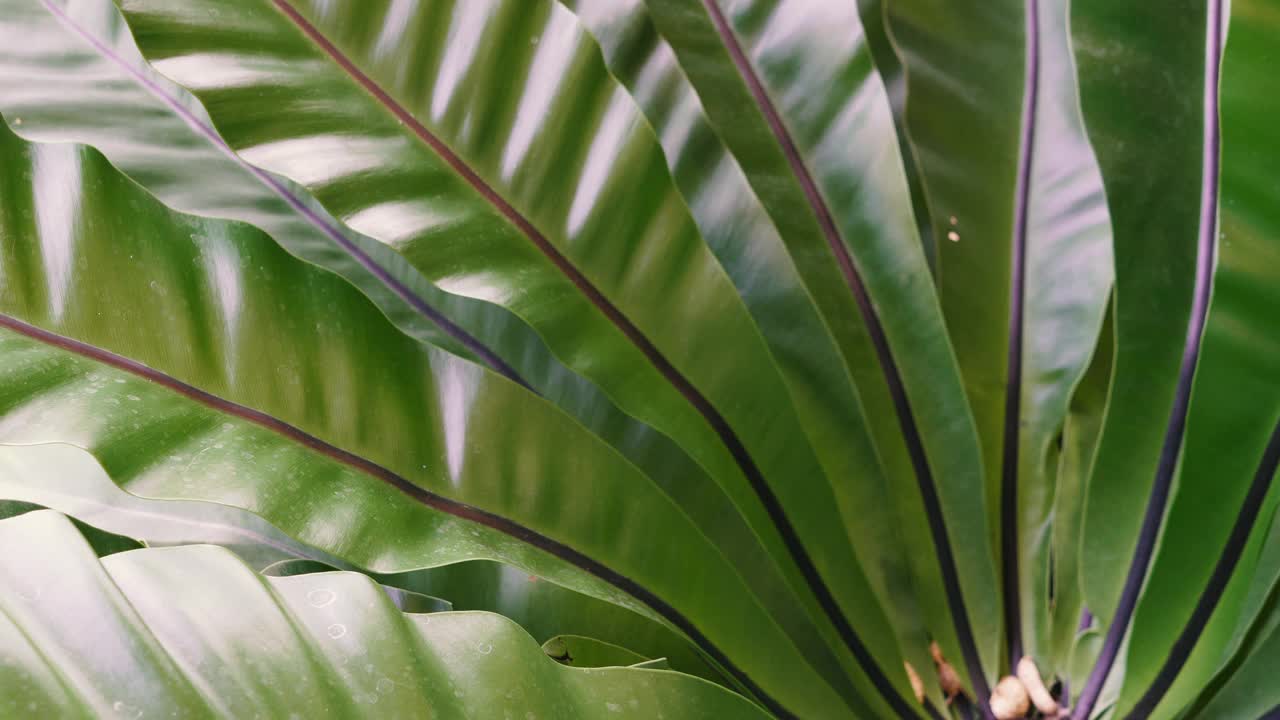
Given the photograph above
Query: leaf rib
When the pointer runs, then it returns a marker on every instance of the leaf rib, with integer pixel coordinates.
(1009, 546)
(1158, 501)
(419, 494)
(422, 307)
(893, 378)
(1217, 585)
(713, 417)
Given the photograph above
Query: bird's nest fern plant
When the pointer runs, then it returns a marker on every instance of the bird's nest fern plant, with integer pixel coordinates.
(790, 358)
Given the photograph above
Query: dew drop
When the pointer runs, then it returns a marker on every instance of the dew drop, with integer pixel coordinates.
(321, 597)
(336, 630)
(484, 648)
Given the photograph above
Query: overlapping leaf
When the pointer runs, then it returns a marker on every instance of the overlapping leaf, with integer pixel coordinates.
(791, 90)
(642, 308)
(284, 392)
(1235, 397)
(196, 632)
(1024, 266)
(70, 71)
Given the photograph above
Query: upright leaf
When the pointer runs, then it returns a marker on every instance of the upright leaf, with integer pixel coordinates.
(825, 165)
(1188, 610)
(739, 231)
(1149, 88)
(1024, 265)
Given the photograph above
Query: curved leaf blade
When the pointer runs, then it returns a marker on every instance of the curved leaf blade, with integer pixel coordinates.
(196, 631)
(697, 370)
(1174, 139)
(1211, 541)
(1024, 266)
(70, 481)
(53, 83)
(337, 369)
(894, 342)
(739, 231)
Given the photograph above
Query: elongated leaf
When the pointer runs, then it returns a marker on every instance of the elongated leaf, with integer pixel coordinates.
(70, 71)
(198, 633)
(1067, 285)
(740, 233)
(889, 68)
(642, 308)
(1024, 263)
(790, 89)
(965, 116)
(1235, 401)
(1153, 429)
(136, 121)
(281, 380)
(1151, 160)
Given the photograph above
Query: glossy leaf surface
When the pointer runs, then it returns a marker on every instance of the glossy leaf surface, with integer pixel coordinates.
(68, 480)
(69, 70)
(853, 206)
(742, 235)
(1150, 156)
(1235, 400)
(197, 632)
(261, 332)
(1024, 266)
(667, 336)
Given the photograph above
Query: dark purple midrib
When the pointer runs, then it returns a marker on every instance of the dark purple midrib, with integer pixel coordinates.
(425, 497)
(1153, 517)
(1232, 551)
(893, 379)
(1009, 545)
(481, 351)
